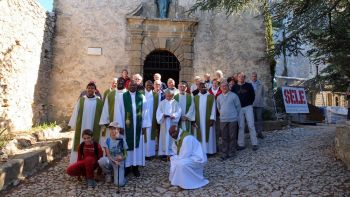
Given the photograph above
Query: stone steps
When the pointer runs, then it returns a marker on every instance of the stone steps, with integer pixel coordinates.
(23, 165)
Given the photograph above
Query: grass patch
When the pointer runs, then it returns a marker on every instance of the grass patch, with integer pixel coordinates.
(4, 138)
(45, 125)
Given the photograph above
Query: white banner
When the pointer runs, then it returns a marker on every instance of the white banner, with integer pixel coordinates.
(294, 99)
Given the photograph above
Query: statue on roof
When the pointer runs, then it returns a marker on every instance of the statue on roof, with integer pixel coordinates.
(163, 7)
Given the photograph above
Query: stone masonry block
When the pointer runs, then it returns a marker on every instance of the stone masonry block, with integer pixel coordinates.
(342, 144)
(26, 164)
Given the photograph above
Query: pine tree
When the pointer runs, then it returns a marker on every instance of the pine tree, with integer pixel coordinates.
(324, 25)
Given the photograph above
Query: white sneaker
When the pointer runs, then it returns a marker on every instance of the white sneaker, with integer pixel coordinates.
(108, 178)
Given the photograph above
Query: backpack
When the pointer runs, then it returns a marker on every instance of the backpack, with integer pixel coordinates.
(81, 149)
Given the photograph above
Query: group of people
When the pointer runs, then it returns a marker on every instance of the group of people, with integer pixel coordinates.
(133, 121)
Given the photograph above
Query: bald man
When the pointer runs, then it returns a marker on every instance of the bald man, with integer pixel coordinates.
(187, 165)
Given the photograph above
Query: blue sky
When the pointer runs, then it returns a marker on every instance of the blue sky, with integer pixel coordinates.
(47, 4)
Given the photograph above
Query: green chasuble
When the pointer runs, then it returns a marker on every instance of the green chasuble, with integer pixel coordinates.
(210, 101)
(129, 120)
(111, 101)
(188, 105)
(106, 93)
(179, 143)
(96, 128)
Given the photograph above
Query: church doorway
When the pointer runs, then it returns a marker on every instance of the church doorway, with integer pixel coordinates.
(163, 62)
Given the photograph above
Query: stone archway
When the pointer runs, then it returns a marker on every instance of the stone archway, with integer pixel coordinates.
(149, 34)
(162, 62)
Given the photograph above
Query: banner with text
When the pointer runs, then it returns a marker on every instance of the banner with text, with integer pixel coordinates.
(294, 99)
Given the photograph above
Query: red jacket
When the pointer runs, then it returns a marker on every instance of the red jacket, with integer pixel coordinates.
(89, 151)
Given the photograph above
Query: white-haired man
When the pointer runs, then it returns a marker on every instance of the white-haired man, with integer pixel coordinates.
(171, 86)
(156, 77)
(139, 81)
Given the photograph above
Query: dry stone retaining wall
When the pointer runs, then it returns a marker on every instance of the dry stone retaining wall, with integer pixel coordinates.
(25, 52)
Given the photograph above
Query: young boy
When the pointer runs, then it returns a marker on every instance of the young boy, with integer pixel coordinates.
(116, 149)
(89, 152)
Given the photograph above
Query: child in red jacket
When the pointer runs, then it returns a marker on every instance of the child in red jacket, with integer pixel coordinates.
(89, 152)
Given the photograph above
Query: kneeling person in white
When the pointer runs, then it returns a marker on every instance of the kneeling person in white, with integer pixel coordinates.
(187, 166)
(115, 148)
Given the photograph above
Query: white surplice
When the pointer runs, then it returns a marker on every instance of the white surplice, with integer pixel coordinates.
(150, 145)
(136, 156)
(191, 111)
(86, 123)
(210, 146)
(186, 168)
(170, 108)
(105, 112)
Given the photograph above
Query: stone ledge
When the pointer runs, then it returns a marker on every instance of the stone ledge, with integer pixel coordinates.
(24, 165)
(271, 125)
(342, 144)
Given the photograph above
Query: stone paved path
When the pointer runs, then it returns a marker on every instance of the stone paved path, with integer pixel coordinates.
(291, 162)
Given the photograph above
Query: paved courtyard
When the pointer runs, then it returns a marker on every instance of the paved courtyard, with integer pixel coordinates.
(290, 162)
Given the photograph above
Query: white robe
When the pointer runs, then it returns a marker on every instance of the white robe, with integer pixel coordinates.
(191, 111)
(186, 169)
(210, 146)
(105, 112)
(87, 121)
(150, 145)
(166, 107)
(136, 156)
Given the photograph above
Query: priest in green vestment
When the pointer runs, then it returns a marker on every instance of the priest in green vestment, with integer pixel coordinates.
(186, 103)
(205, 107)
(109, 107)
(132, 116)
(86, 115)
(151, 132)
(113, 87)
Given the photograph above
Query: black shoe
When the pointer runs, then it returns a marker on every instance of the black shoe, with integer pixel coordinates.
(240, 148)
(135, 171)
(164, 158)
(261, 136)
(223, 158)
(255, 147)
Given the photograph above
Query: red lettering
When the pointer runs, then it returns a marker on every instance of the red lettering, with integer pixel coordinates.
(292, 94)
(297, 101)
(286, 96)
(302, 97)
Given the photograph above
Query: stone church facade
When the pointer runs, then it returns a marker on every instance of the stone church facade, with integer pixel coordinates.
(96, 39)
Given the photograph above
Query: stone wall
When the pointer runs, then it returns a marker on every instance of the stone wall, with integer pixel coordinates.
(232, 44)
(342, 143)
(24, 62)
(80, 25)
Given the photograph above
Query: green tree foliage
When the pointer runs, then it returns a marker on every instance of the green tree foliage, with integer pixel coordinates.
(323, 25)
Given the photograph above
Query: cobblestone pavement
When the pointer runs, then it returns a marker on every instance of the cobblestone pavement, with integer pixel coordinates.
(291, 162)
